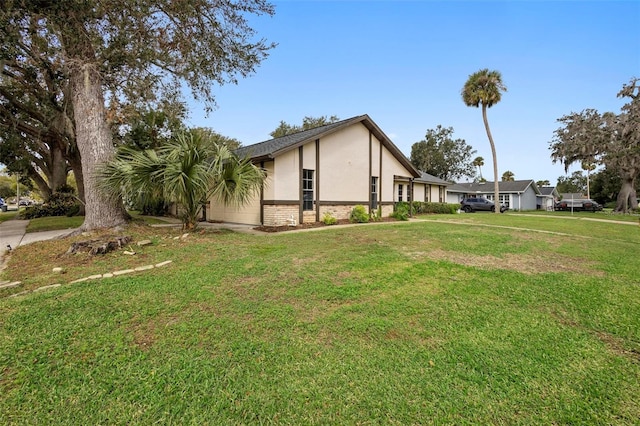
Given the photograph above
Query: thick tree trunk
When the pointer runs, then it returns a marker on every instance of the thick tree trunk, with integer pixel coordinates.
(496, 184)
(58, 168)
(76, 166)
(43, 185)
(627, 196)
(95, 145)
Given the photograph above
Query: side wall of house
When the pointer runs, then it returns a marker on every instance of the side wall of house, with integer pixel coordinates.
(343, 164)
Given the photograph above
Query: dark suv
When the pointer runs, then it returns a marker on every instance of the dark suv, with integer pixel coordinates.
(470, 205)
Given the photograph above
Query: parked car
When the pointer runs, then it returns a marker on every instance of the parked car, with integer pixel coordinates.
(470, 205)
(578, 205)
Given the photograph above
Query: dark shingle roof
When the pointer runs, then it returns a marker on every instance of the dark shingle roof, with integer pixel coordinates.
(487, 187)
(271, 148)
(546, 190)
(427, 178)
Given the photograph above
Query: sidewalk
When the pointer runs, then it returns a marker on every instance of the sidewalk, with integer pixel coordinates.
(13, 234)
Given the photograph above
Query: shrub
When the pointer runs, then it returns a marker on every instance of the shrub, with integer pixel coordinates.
(435, 208)
(376, 216)
(359, 215)
(401, 211)
(59, 204)
(328, 219)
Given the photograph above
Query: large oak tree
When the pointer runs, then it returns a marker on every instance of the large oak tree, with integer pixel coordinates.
(608, 139)
(126, 49)
(441, 155)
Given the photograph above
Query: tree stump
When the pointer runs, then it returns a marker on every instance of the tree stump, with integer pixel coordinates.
(99, 246)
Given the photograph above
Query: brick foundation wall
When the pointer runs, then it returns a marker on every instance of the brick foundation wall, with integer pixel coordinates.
(279, 215)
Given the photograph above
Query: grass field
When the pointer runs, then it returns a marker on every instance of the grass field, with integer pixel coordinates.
(455, 319)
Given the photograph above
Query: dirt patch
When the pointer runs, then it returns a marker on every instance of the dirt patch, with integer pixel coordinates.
(530, 263)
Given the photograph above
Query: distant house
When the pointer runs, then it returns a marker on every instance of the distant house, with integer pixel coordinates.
(547, 198)
(329, 169)
(516, 195)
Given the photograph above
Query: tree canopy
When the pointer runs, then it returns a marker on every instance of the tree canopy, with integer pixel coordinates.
(575, 183)
(441, 155)
(125, 50)
(308, 123)
(608, 139)
(508, 176)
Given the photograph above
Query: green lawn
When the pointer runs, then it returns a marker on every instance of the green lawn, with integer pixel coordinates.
(456, 319)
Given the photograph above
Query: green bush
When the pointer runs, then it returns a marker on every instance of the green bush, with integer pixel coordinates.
(328, 219)
(434, 208)
(376, 215)
(59, 204)
(401, 211)
(359, 215)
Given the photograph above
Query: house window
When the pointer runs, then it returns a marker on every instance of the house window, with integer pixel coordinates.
(374, 192)
(307, 189)
(441, 193)
(427, 190)
(400, 193)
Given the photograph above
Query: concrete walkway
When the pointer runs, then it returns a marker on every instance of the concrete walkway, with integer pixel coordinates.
(13, 234)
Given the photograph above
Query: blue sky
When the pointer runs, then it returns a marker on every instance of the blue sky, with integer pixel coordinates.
(404, 63)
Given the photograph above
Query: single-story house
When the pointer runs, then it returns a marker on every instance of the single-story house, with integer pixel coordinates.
(547, 198)
(516, 194)
(329, 169)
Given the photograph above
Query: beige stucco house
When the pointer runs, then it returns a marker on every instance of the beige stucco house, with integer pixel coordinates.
(331, 169)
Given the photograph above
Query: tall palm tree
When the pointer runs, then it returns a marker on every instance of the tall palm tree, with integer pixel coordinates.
(479, 162)
(508, 176)
(188, 170)
(588, 166)
(485, 88)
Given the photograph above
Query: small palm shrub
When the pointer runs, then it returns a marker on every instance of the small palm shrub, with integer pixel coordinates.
(359, 215)
(328, 219)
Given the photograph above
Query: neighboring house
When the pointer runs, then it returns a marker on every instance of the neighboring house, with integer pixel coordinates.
(430, 189)
(329, 169)
(516, 195)
(547, 198)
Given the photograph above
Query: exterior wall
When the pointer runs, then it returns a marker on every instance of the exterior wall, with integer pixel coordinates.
(286, 173)
(344, 166)
(347, 160)
(528, 199)
(454, 197)
(280, 215)
(249, 213)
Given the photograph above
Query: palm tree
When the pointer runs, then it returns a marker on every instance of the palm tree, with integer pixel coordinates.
(543, 183)
(479, 162)
(508, 176)
(589, 166)
(188, 170)
(485, 88)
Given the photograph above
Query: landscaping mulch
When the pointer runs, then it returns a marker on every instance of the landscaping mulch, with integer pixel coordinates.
(284, 228)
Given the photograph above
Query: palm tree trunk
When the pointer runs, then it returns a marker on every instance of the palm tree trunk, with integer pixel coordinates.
(496, 185)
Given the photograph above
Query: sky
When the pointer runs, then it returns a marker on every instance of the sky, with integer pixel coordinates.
(404, 64)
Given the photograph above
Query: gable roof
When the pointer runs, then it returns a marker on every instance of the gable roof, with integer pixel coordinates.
(271, 148)
(427, 178)
(548, 190)
(514, 186)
